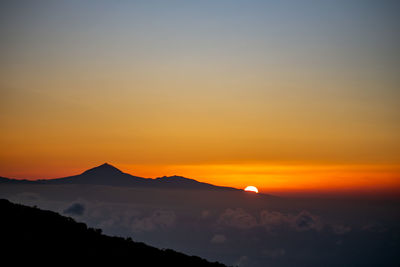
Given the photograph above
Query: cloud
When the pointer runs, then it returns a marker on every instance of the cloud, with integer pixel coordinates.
(75, 209)
(305, 221)
(205, 214)
(218, 239)
(272, 219)
(164, 218)
(143, 225)
(241, 261)
(237, 218)
(25, 198)
(340, 229)
(274, 253)
(374, 228)
(160, 219)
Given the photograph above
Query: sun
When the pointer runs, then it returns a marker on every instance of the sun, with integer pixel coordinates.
(251, 188)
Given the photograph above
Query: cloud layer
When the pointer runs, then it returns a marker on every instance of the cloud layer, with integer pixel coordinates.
(160, 219)
(270, 220)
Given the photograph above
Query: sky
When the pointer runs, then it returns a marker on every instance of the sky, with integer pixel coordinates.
(289, 96)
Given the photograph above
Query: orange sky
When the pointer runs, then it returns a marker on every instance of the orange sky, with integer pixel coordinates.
(288, 179)
(261, 94)
(284, 180)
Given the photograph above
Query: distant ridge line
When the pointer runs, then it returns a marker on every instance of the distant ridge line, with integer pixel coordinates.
(107, 174)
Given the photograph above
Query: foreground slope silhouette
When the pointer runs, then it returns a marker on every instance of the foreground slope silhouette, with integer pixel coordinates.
(39, 236)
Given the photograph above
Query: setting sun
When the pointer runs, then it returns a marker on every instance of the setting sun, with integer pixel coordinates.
(251, 188)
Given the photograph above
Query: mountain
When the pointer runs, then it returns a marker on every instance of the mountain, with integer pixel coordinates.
(104, 174)
(4, 180)
(107, 174)
(38, 236)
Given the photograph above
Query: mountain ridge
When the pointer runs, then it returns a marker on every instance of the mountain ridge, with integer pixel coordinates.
(106, 174)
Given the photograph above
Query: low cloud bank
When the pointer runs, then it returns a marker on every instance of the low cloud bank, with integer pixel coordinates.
(160, 219)
(270, 220)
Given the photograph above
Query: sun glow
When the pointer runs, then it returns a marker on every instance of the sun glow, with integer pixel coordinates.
(251, 188)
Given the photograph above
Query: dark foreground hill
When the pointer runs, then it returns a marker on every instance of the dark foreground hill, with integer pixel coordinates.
(45, 237)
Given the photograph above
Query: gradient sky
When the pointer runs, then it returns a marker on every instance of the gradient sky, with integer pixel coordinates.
(284, 95)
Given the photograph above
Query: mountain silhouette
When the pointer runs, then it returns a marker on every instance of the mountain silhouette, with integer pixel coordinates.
(104, 169)
(104, 174)
(35, 236)
(107, 174)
